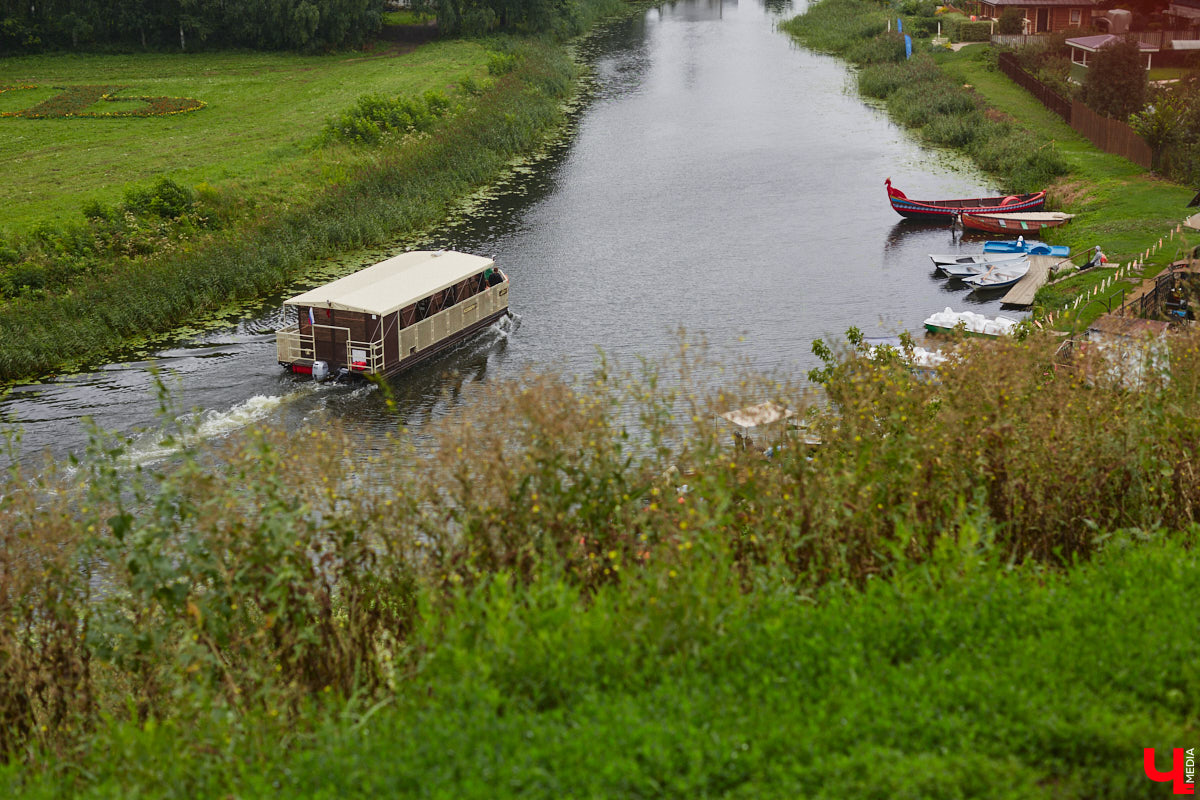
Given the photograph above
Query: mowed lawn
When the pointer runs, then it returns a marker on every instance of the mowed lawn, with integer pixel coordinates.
(263, 112)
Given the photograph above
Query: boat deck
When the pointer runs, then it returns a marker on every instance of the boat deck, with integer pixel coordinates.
(1039, 272)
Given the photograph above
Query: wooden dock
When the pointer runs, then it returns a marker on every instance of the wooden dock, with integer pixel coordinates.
(1039, 272)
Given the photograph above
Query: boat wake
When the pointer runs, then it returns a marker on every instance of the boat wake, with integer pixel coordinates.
(200, 427)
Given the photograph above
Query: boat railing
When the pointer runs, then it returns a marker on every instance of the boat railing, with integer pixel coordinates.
(365, 357)
(291, 345)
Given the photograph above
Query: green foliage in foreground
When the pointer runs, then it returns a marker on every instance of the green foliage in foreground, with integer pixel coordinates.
(615, 601)
(962, 677)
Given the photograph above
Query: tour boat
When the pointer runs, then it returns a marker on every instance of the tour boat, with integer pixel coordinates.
(947, 210)
(397, 313)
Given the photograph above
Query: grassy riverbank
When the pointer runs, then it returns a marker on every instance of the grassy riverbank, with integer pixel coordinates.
(960, 100)
(73, 293)
(981, 582)
(255, 135)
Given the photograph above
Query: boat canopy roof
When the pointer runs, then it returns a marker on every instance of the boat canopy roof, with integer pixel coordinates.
(761, 414)
(395, 283)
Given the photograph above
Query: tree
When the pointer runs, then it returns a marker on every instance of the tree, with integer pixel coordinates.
(1115, 84)
(1161, 122)
(1012, 21)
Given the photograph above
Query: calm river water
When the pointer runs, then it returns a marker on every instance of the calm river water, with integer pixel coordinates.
(718, 178)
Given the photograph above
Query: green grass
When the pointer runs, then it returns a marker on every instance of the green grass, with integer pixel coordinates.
(406, 17)
(1118, 205)
(263, 110)
(1168, 73)
(983, 683)
(365, 197)
(981, 581)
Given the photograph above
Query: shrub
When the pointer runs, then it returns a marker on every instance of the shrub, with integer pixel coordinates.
(963, 30)
(375, 115)
(1115, 82)
(880, 80)
(886, 47)
(1012, 21)
(165, 199)
(953, 131)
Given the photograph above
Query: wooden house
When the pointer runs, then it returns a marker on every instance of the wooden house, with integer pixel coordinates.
(1041, 16)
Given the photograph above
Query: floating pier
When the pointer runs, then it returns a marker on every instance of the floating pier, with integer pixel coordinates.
(1039, 272)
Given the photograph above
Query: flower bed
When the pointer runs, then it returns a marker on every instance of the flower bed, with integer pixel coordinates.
(74, 101)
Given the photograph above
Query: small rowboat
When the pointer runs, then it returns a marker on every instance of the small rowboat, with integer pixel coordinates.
(999, 277)
(966, 259)
(1020, 222)
(1030, 248)
(946, 210)
(964, 271)
(972, 324)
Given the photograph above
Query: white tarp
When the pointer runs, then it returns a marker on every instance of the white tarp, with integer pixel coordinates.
(395, 283)
(761, 414)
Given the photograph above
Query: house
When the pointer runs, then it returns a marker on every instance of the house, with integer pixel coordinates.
(1084, 49)
(1041, 16)
(1184, 13)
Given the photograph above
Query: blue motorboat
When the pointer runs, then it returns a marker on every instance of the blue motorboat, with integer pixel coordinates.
(1031, 248)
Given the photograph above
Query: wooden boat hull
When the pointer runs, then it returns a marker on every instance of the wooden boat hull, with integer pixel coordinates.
(966, 259)
(964, 271)
(945, 211)
(1031, 222)
(943, 331)
(986, 283)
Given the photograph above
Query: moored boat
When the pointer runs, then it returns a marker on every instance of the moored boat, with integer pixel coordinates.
(1029, 248)
(947, 210)
(968, 322)
(965, 259)
(392, 315)
(1018, 222)
(978, 268)
(999, 277)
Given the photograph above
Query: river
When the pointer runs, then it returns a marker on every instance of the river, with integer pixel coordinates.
(717, 177)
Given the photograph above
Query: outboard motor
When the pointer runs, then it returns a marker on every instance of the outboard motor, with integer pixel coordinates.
(320, 370)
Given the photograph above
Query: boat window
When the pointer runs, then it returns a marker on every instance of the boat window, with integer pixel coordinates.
(462, 291)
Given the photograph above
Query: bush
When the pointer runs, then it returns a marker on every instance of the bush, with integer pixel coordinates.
(961, 29)
(374, 115)
(880, 80)
(884, 48)
(1012, 21)
(953, 131)
(1115, 83)
(165, 199)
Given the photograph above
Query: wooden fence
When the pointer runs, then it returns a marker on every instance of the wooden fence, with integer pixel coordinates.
(1110, 135)
(1049, 98)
